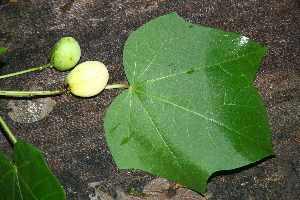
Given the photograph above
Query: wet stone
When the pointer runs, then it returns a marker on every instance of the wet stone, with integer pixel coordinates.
(28, 111)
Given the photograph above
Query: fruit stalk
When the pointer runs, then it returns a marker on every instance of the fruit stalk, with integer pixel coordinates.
(33, 93)
(27, 70)
(51, 93)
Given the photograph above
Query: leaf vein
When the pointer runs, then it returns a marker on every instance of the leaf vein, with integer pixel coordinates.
(195, 69)
(159, 133)
(200, 115)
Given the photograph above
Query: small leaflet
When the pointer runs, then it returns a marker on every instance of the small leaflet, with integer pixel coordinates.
(28, 111)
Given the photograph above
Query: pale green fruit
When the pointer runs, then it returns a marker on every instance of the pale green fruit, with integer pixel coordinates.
(88, 79)
(65, 54)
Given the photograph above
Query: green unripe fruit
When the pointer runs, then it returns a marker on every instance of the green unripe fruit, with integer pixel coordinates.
(65, 54)
(88, 79)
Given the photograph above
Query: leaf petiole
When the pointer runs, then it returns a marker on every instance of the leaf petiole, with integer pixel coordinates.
(27, 70)
(7, 130)
(115, 86)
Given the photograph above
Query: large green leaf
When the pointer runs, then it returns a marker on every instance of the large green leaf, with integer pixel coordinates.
(192, 108)
(28, 177)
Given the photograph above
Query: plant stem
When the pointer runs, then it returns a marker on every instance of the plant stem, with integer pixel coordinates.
(49, 93)
(114, 86)
(7, 130)
(32, 93)
(27, 70)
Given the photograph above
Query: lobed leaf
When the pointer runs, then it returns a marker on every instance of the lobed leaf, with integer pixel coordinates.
(192, 108)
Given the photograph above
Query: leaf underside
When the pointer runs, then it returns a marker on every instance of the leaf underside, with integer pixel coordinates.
(192, 108)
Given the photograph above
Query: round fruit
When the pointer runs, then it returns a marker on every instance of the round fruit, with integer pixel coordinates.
(65, 54)
(88, 79)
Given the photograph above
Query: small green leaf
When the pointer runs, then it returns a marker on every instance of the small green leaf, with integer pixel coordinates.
(2, 50)
(29, 177)
(192, 108)
(138, 194)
